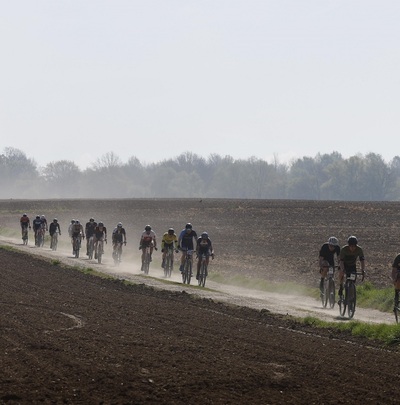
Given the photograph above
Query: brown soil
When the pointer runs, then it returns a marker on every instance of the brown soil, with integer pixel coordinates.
(71, 337)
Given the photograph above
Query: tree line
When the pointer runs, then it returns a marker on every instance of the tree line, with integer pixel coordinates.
(323, 177)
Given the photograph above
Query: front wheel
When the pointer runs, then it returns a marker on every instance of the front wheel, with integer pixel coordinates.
(331, 292)
(168, 266)
(203, 274)
(351, 300)
(342, 305)
(324, 293)
(188, 271)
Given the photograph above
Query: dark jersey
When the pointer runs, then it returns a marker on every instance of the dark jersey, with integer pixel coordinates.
(53, 228)
(186, 239)
(349, 258)
(89, 229)
(37, 224)
(329, 255)
(204, 246)
(100, 233)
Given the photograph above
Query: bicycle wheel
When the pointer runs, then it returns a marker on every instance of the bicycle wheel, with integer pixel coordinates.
(91, 248)
(146, 264)
(203, 274)
(184, 273)
(76, 247)
(168, 266)
(189, 271)
(54, 242)
(331, 292)
(351, 300)
(99, 252)
(324, 293)
(342, 303)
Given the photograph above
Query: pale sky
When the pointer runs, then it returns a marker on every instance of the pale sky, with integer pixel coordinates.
(156, 78)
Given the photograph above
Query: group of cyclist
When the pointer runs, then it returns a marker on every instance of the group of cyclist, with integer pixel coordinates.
(187, 239)
(347, 257)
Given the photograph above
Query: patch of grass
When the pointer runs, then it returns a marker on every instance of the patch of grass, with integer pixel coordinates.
(56, 262)
(388, 334)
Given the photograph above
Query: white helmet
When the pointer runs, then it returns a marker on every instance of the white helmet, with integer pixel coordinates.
(333, 241)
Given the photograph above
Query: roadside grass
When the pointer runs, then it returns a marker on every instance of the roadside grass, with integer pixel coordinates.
(367, 295)
(389, 334)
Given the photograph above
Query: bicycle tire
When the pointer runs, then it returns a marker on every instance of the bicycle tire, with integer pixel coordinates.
(331, 292)
(99, 253)
(168, 266)
(146, 264)
(324, 293)
(54, 242)
(351, 300)
(203, 275)
(91, 248)
(343, 304)
(189, 272)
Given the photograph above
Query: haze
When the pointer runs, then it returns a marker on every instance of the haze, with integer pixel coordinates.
(156, 78)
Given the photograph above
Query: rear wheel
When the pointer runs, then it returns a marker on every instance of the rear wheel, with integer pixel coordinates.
(331, 292)
(351, 300)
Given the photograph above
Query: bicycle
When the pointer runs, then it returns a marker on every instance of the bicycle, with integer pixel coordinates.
(76, 244)
(187, 267)
(203, 273)
(117, 253)
(54, 241)
(169, 262)
(147, 260)
(99, 250)
(90, 247)
(328, 289)
(39, 237)
(349, 299)
(24, 235)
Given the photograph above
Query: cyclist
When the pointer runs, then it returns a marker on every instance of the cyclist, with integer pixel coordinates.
(327, 258)
(54, 226)
(25, 223)
(118, 236)
(70, 234)
(89, 230)
(187, 239)
(203, 246)
(100, 234)
(37, 225)
(77, 231)
(169, 240)
(348, 259)
(44, 222)
(148, 238)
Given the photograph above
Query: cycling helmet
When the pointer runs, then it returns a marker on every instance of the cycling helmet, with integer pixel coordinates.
(24, 215)
(101, 224)
(77, 221)
(188, 226)
(352, 241)
(42, 216)
(72, 221)
(333, 241)
(55, 220)
(91, 219)
(171, 231)
(119, 225)
(204, 235)
(147, 228)
(37, 217)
